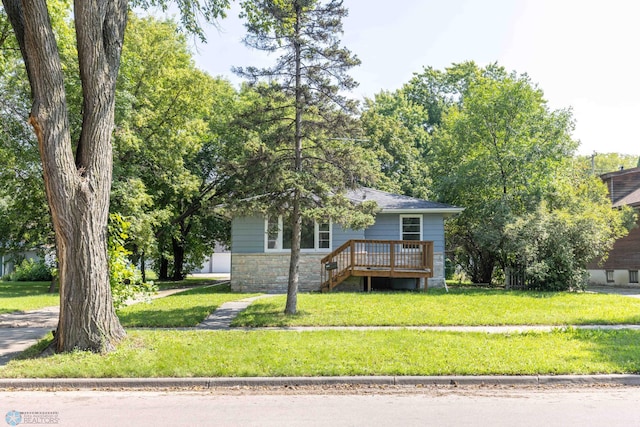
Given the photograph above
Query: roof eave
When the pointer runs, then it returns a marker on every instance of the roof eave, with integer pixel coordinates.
(444, 211)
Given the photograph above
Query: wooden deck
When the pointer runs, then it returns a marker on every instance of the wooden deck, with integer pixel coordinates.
(377, 258)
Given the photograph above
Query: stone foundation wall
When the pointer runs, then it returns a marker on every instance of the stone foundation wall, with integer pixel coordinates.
(269, 273)
(437, 281)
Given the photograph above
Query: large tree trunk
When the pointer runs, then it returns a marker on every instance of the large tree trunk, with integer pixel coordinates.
(178, 259)
(163, 274)
(77, 190)
(294, 262)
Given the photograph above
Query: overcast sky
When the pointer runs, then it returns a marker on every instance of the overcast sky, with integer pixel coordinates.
(582, 53)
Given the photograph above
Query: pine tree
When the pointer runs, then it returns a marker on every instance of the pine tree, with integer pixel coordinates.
(311, 76)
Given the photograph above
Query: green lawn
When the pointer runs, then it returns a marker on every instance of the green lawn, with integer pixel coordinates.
(186, 283)
(149, 353)
(23, 296)
(458, 307)
(183, 309)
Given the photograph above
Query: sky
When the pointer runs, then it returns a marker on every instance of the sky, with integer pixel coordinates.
(583, 54)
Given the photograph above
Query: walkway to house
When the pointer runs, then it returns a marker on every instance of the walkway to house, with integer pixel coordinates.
(224, 315)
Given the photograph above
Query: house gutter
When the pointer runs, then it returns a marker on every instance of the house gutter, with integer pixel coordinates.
(447, 212)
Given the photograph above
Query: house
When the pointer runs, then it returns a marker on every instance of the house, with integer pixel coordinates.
(400, 250)
(623, 263)
(9, 261)
(218, 262)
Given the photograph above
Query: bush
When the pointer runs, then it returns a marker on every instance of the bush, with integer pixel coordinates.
(125, 278)
(553, 247)
(30, 270)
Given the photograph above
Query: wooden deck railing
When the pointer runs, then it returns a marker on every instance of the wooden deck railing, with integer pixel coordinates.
(377, 258)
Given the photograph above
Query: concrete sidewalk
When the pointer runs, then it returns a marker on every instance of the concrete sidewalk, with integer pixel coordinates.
(221, 318)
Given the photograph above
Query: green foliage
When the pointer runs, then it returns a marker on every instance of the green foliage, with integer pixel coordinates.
(299, 141)
(170, 147)
(600, 163)
(125, 279)
(332, 163)
(395, 130)
(31, 270)
(554, 245)
(190, 12)
(495, 149)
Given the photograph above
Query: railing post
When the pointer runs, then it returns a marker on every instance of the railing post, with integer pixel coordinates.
(353, 255)
(392, 255)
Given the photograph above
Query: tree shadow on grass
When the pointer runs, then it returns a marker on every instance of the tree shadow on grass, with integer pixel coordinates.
(167, 317)
(619, 350)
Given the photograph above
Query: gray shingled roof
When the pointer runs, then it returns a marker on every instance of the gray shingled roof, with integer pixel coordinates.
(631, 199)
(389, 202)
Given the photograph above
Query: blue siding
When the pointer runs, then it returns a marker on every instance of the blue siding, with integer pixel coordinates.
(387, 227)
(341, 235)
(433, 229)
(247, 235)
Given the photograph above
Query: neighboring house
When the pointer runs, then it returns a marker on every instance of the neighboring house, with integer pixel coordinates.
(218, 262)
(623, 263)
(8, 261)
(403, 247)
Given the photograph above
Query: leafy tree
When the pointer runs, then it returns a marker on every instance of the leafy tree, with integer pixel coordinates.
(23, 209)
(495, 153)
(305, 154)
(77, 173)
(395, 129)
(599, 163)
(171, 120)
(126, 280)
(552, 245)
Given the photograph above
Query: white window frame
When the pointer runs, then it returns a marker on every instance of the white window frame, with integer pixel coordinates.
(279, 240)
(633, 276)
(402, 217)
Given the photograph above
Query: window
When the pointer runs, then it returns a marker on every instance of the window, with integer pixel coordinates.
(313, 236)
(410, 227)
(633, 276)
(609, 276)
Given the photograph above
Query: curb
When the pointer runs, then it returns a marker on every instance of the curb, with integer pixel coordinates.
(229, 382)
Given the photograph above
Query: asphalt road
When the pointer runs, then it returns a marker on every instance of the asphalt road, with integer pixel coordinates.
(367, 406)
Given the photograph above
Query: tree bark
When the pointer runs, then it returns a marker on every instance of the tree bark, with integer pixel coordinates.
(77, 189)
(178, 259)
(296, 216)
(143, 267)
(163, 274)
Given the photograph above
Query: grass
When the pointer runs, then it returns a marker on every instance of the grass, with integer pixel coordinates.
(458, 307)
(23, 296)
(183, 309)
(186, 283)
(147, 353)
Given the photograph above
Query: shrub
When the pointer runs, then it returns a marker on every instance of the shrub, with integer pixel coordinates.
(125, 278)
(30, 270)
